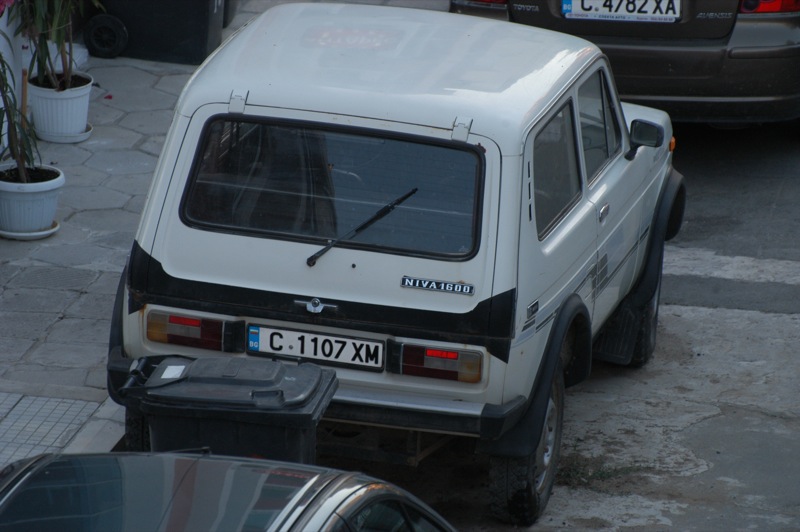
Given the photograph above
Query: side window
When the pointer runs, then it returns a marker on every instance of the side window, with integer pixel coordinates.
(556, 180)
(600, 129)
(391, 516)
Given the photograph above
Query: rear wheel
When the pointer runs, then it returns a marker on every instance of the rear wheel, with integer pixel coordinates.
(520, 486)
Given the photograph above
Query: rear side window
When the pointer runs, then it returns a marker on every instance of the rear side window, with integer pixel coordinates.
(556, 179)
(295, 181)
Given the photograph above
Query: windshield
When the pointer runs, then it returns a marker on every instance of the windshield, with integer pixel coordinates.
(294, 181)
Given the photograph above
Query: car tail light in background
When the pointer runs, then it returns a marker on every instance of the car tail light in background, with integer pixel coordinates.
(185, 330)
(769, 6)
(438, 363)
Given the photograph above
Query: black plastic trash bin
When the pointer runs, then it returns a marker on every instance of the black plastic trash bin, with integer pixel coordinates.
(177, 31)
(236, 406)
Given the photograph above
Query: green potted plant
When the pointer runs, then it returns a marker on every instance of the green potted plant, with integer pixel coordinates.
(58, 94)
(28, 189)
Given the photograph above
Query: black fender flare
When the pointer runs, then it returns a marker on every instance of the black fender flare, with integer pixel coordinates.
(117, 365)
(667, 222)
(521, 439)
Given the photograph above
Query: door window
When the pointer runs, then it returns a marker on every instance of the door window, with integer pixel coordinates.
(600, 129)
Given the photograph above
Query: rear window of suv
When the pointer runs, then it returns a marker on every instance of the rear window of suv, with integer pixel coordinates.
(298, 181)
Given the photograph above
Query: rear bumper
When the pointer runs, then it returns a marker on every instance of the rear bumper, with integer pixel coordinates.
(411, 412)
(486, 422)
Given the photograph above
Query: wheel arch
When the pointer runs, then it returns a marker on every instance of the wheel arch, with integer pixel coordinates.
(667, 222)
(573, 323)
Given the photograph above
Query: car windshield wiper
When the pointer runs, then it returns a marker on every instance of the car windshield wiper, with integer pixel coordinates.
(383, 211)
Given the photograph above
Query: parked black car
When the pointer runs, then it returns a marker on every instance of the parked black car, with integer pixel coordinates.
(710, 61)
(182, 492)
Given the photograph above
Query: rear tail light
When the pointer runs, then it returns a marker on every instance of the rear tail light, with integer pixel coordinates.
(437, 363)
(185, 330)
(769, 6)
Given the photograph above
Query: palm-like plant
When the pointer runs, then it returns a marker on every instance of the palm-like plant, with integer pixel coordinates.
(19, 141)
(44, 22)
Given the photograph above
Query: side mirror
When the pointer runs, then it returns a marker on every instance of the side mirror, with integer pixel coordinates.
(644, 133)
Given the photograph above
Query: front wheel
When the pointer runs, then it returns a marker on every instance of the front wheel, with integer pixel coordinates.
(521, 486)
(648, 326)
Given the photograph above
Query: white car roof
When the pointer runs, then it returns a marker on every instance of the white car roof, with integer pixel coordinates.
(392, 63)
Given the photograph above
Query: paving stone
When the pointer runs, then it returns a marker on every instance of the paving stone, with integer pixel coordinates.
(93, 306)
(71, 353)
(82, 176)
(11, 250)
(132, 101)
(53, 277)
(113, 220)
(173, 84)
(136, 204)
(38, 376)
(106, 283)
(93, 198)
(122, 77)
(7, 271)
(137, 184)
(12, 350)
(37, 300)
(76, 255)
(78, 331)
(120, 162)
(63, 155)
(101, 114)
(148, 122)
(112, 138)
(154, 144)
(27, 325)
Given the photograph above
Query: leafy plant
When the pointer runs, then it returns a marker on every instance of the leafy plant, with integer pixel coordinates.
(41, 21)
(19, 141)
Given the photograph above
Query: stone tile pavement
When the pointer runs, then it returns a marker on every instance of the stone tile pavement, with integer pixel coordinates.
(56, 294)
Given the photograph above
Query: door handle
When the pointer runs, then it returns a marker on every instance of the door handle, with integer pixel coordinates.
(604, 212)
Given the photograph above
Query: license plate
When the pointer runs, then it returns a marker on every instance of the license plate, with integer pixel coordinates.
(364, 354)
(623, 10)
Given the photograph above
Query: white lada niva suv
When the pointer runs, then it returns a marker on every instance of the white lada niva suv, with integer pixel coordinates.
(456, 214)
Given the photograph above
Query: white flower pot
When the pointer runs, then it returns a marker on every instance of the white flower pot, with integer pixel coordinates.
(27, 210)
(61, 116)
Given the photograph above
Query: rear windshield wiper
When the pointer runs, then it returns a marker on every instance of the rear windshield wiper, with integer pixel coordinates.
(383, 211)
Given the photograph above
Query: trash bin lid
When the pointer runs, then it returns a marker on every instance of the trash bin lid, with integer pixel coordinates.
(240, 383)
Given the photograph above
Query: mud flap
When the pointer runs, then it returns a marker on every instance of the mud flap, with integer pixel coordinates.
(616, 342)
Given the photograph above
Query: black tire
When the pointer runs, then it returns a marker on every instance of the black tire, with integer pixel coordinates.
(105, 36)
(521, 487)
(137, 432)
(646, 337)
